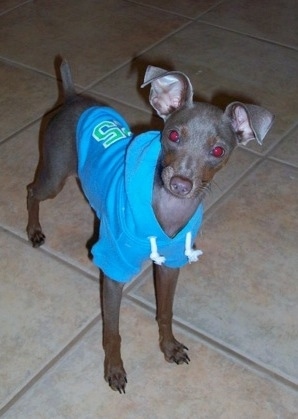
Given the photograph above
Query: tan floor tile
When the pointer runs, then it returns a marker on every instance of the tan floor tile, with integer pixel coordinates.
(287, 149)
(44, 305)
(220, 73)
(211, 386)
(243, 292)
(95, 37)
(67, 220)
(276, 20)
(240, 162)
(25, 96)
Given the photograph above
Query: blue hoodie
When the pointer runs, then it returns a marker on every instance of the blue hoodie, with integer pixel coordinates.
(117, 172)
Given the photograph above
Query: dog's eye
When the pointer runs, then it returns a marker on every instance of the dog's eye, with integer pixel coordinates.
(218, 151)
(174, 136)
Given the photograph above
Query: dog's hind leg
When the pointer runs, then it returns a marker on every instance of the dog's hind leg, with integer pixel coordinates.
(40, 190)
(58, 160)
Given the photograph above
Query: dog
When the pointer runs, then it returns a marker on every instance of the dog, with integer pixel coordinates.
(146, 190)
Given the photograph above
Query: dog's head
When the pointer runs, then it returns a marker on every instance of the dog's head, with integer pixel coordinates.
(198, 138)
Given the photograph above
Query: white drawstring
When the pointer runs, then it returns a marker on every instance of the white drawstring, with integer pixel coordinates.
(193, 255)
(154, 255)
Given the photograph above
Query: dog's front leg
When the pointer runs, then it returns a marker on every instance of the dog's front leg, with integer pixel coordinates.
(114, 372)
(165, 287)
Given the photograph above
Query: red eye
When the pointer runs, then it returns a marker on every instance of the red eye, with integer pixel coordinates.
(218, 151)
(174, 136)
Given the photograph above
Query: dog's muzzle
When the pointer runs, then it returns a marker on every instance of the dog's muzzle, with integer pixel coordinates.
(180, 186)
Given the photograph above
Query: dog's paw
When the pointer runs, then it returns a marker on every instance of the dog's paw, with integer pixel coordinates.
(116, 378)
(175, 351)
(37, 238)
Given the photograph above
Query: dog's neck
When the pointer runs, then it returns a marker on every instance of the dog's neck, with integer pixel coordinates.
(172, 213)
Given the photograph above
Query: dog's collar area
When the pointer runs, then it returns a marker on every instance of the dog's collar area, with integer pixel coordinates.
(190, 253)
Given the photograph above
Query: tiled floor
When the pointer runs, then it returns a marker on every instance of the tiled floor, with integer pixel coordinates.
(237, 309)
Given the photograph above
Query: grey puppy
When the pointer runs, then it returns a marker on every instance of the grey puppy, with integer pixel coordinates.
(151, 205)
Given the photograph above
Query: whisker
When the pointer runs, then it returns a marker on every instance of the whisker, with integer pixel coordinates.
(204, 189)
(217, 185)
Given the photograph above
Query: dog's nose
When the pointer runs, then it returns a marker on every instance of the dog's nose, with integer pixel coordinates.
(180, 185)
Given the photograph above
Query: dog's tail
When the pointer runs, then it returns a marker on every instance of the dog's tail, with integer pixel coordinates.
(67, 82)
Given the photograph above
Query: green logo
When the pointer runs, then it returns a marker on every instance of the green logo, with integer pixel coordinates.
(108, 132)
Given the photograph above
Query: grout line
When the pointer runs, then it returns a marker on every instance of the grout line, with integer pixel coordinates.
(80, 89)
(53, 77)
(159, 9)
(262, 158)
(210, 210)
(246, 34)
(284, 162)
(22, 128)
(140, 54)
(118, 101)
(221, 347)
(214, 6)
(139, 279)
(287, 133)
(149, 6)
(72, 264)
(51, 364)
(22, 65)
(15, 7)
(57, 256)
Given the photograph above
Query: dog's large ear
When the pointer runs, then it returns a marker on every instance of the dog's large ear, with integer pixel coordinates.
(250, 122)
(170, 90)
